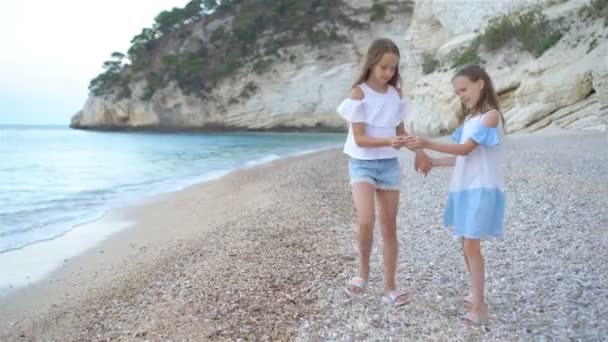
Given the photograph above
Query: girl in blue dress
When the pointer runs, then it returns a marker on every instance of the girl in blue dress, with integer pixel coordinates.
(476, 200)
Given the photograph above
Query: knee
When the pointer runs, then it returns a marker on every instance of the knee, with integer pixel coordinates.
(389, 232)
(366, 225)
(472, 250)
(389, 223)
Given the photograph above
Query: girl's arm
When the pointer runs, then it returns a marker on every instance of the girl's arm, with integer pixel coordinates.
(416, 143)
(446, 161)
(363, 140)
(455, 149)
(490, 120)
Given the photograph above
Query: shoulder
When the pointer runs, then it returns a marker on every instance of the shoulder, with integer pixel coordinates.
(356, 93)
(491, 118)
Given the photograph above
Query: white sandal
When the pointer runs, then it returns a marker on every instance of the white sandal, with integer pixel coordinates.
(356, 286)
(396, 298)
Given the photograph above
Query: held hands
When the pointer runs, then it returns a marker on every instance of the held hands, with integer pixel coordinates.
(413, 142)
(398, 141)
(422, 162)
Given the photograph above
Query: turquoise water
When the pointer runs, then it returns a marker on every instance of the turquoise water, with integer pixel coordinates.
(53, 178)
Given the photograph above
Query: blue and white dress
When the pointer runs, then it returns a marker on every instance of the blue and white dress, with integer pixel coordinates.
(476, 200)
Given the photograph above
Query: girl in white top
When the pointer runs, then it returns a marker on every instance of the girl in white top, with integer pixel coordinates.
(476, 200)
(376, 114)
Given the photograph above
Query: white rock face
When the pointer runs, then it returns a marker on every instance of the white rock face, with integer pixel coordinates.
(463, 17)
(107, 114)
(567, 86)
(531, 90)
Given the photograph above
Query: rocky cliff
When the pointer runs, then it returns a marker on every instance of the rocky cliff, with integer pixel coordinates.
(565, 84)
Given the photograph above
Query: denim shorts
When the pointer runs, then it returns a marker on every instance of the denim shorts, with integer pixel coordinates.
(384, 174)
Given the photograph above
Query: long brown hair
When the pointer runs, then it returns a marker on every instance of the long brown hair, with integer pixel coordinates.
(488, 99)
(374, 54)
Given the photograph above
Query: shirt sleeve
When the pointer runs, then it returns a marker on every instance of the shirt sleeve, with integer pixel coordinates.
(352, 110)
(457, 134)
(484, 135)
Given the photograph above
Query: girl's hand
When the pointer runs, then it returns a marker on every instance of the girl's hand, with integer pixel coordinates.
(398, 142)
(415, 142)
(422, 163)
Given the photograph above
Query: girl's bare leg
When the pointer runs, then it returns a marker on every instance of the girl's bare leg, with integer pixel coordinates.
(472, 251)
(388, 202)
(469, 296)
(363, 196)
(466, 261)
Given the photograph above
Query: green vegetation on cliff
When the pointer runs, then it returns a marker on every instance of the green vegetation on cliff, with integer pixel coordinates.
(207, 40)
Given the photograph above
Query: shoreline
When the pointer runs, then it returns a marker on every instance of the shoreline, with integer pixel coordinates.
(28, 265)
(219, 129)
(74, 241)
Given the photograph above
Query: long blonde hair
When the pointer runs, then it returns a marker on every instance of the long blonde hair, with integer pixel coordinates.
(374, 54)
(488, 99)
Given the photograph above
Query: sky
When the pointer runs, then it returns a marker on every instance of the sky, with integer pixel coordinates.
(52, 49)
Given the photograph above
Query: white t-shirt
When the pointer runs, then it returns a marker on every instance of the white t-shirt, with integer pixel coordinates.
(381, 113)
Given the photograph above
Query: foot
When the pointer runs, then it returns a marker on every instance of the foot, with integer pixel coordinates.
(476, 317)
(396, 298)
(356, 287)
(468, 301)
